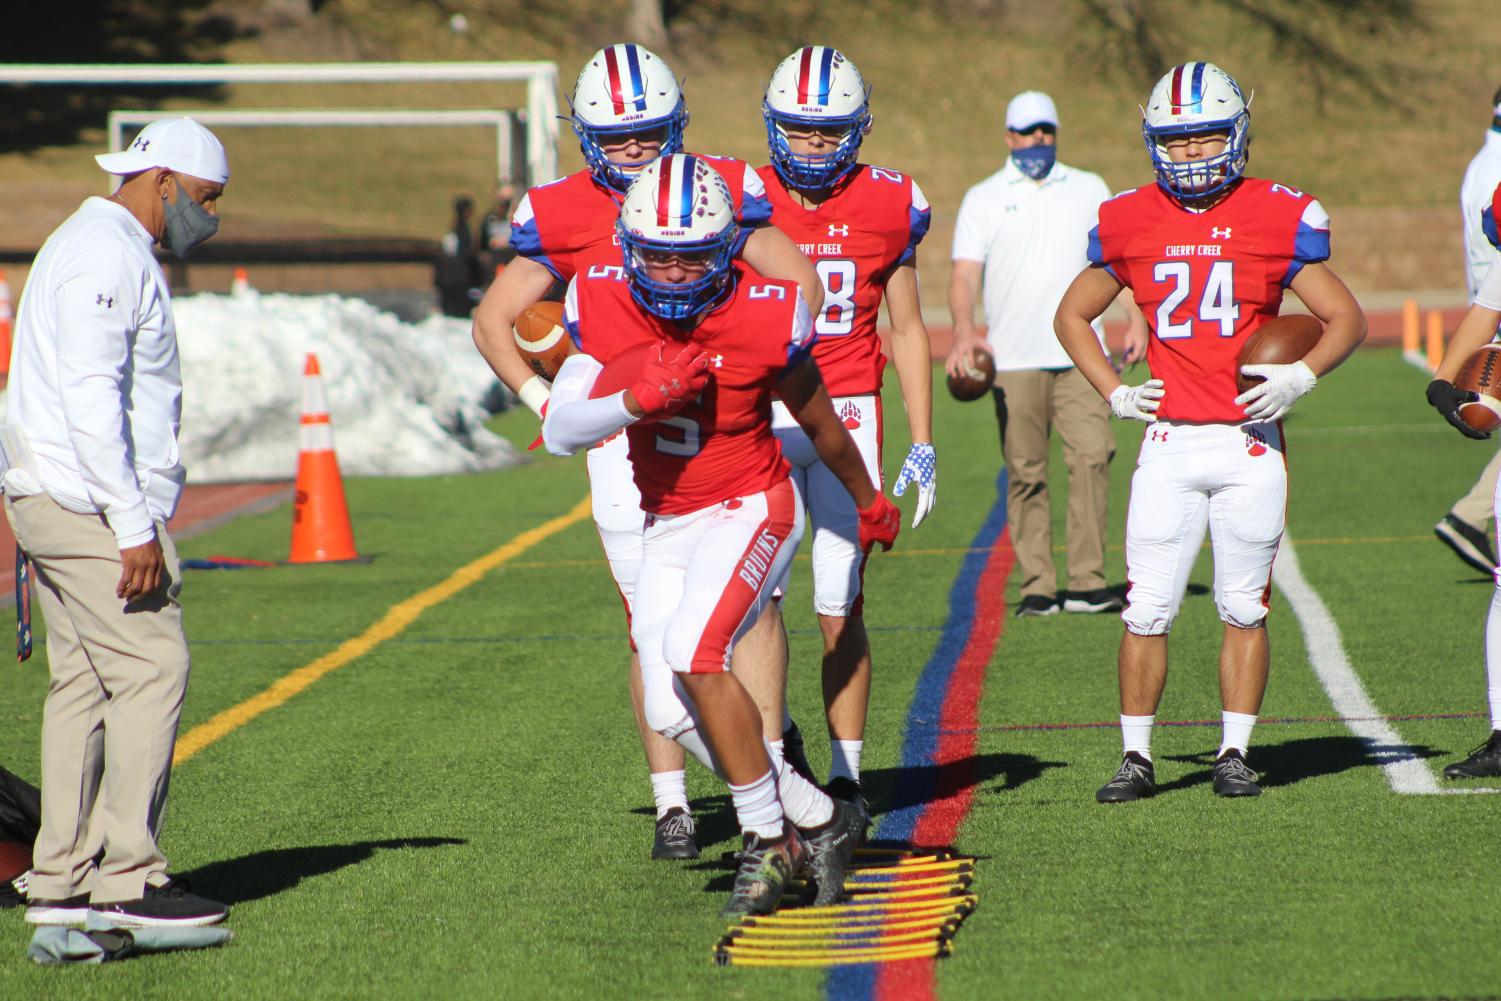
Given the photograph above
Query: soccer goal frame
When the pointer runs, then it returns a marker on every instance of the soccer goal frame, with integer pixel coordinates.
(541, 79)
(510, 127)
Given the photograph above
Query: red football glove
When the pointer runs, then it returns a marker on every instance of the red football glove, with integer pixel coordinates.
(666, 384)
(879, 523)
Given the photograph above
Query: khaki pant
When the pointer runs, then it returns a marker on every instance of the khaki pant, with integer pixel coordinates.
(1028, 405)
(1477, 506)
(118, 674)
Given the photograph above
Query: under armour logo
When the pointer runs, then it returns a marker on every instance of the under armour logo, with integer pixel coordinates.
(107, 301)
(1158, 434)
(1215, 233)
(717, 361)
(141, 144)
(843, 230)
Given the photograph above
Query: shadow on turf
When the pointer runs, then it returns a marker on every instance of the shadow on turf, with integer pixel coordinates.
(264, 874)
(1292, 761)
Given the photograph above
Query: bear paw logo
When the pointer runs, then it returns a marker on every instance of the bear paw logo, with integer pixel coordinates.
(850, 415)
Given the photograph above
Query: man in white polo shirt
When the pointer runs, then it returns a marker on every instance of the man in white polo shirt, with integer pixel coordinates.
(1022, 234)
(91, 477)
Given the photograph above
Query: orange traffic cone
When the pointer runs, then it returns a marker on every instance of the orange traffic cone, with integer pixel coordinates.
(321, 532)
(240, 283)
(5, 325)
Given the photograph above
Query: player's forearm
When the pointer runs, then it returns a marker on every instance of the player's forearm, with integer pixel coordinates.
(1343, 333)
(773, 254)
(964, 291)
(1476, 329)
(580, 423)
(912, 356)
(1078, 339)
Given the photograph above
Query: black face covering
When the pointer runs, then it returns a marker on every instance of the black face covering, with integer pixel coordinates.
(188, 224)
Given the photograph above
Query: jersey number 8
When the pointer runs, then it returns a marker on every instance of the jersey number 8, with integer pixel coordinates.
(838, 315)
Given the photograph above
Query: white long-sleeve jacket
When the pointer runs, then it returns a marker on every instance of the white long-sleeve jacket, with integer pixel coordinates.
(94, 380)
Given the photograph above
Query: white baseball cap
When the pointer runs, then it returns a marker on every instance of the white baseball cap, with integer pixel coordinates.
(179, 144)
(1029, 109)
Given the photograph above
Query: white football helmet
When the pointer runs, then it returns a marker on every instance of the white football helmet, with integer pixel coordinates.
(816, 86)
(678, 204)
(1194, 98)
(625, 89)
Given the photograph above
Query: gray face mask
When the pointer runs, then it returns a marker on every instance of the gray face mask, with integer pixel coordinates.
(188, 224)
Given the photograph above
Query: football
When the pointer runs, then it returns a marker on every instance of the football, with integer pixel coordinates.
(1481, 374)
(15, 858)
(622, 370)
(976, 379)
(1277, 342)
(541, 338)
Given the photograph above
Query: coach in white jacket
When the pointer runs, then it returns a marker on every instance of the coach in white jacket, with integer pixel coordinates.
(91, 477)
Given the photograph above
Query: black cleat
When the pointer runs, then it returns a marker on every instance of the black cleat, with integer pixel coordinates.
(1468, 542)
(1232, 777)
(1133, 780)
(830, 849)
(849, 790)
(170, 906)
(70, 911)
(1483, 762)
(765, 869)
(674, 838)
(1037, 604)
(795, 754)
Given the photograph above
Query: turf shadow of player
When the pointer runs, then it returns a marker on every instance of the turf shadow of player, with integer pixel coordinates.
(267, 873)
(1293, 761)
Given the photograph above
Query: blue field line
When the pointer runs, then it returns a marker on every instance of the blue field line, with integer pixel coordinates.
(920, 739)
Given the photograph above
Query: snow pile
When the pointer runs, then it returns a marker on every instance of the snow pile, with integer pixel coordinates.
(405, 399)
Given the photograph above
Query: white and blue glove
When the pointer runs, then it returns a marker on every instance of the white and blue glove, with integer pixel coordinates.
(1137, 403)
(919, 468)
(1283, 386)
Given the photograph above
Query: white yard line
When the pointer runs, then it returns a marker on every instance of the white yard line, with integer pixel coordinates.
(1405, 770)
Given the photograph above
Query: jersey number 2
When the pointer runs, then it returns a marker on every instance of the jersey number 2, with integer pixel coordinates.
(1216, 305)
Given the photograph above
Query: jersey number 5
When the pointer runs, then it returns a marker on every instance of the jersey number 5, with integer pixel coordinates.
(1216, 305)
(838, 315)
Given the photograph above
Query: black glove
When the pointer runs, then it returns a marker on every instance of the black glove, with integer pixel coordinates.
(1447, 400)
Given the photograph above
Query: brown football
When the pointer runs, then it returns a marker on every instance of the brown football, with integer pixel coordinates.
(15, 858)
(1278, 342)
(975, 381)
(542, 339)
(1481, 374)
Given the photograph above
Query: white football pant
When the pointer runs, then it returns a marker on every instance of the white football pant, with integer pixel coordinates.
(617, 513)
(1228, 478)
(838, 563)
(705, 578)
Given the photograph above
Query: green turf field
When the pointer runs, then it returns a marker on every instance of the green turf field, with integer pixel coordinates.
(463, 811)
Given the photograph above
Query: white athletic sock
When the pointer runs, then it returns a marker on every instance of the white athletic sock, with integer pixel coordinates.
(669, 789)
(757, 807)
(694, 745)
(774, 748)
(846, 763)
(1237, 732)
(1136, 734)
(803, 803)
(1493, 658)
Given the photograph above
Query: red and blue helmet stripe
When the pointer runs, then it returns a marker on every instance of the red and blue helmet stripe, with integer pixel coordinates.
(675, 191)
(622, 64)
(815, 75)
(1188, 88)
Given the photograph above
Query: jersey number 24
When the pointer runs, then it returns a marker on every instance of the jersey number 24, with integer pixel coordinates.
(1216, 304)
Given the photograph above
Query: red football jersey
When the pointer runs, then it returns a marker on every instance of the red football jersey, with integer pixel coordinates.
(1205, 280)
(720, 446)
(569, 224)
(868, 227)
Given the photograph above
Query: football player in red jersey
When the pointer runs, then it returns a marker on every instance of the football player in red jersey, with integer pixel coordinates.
(1477, 329)
(627, 110)
(723, 516)
(1207, 252)
(860, 225)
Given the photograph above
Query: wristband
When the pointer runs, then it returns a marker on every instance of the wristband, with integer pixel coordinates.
(534, 393)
